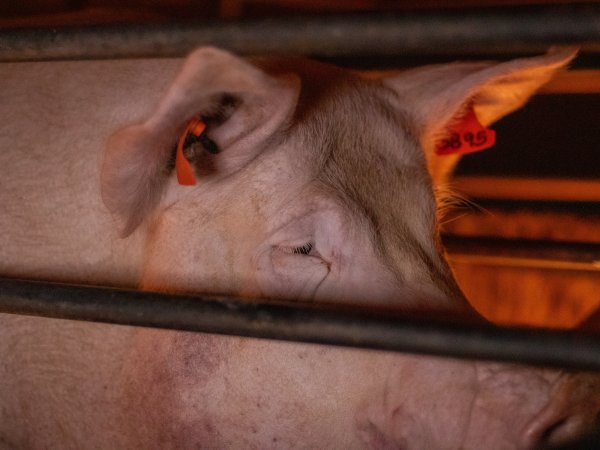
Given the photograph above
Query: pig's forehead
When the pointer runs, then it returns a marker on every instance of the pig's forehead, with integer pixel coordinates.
(358, 142)
(342, 119)
(355, 137)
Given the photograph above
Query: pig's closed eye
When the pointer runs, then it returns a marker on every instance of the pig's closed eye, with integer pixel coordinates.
(307, 249)
(291, 269)
(304, 249)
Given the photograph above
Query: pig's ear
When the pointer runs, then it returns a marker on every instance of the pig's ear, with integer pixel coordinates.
(436, 96)
(242, 104)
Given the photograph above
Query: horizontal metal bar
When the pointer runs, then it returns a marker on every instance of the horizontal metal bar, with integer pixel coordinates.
(479, 31)
(303, 323)
(530, 188)
(526, 253)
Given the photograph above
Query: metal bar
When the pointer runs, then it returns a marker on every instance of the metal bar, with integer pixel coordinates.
(526, 253)
(398, 34)
(530, 188)
(303, 323)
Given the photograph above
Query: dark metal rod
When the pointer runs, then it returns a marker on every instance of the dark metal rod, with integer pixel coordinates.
(525, 253)
(397, 34)
(301, 322)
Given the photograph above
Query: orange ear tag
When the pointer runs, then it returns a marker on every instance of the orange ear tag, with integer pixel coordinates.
(467, 136)
(185, 172)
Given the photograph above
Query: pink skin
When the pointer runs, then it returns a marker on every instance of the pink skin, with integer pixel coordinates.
(263, 394)
(230, 392)
(227, 392)
(262, 263)
(268, 193)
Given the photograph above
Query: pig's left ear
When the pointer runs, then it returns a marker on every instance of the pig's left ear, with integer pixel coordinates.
(243, 105)
(435, 97)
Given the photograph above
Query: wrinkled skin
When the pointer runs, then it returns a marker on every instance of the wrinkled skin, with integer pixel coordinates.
(309, 155)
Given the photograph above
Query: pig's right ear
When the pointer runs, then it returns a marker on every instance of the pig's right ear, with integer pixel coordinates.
(244, 105)
(436, 97)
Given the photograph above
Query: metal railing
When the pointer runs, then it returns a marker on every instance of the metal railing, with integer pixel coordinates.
(494, 31)
(321, 324)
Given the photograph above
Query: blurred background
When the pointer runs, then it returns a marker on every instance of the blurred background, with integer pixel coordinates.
(524, 240)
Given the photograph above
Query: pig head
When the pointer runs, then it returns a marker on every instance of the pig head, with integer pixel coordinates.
(321, 190)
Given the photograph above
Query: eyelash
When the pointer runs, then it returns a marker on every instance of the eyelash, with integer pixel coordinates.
(303, 250)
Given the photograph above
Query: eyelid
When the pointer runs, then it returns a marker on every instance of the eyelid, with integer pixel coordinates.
(306, 248)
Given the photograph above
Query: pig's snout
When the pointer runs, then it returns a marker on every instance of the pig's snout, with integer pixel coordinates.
(573, 411)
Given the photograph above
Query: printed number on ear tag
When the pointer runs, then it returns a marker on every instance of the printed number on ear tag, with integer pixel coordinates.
(468, 136)
(185, 172)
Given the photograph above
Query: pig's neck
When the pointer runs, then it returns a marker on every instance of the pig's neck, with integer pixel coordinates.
(53, 224)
